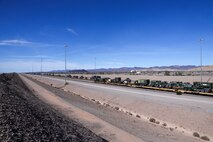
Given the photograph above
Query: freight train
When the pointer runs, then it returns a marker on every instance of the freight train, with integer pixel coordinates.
(204, 87)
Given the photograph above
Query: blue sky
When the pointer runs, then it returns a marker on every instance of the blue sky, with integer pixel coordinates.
(117, 32)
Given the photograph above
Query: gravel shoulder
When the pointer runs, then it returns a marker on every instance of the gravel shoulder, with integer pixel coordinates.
(23, 117)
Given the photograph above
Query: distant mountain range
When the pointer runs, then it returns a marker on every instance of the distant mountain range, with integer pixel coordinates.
(128, 69)
(155, 68)
(77, 70)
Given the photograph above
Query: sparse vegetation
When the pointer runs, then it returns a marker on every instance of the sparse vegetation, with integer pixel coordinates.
(97, 102)
(178, 92)
(164, 124)
(205, 138)
(167, 73)
(152, 120)
(117, 108)
(196, 134)
(107, 105)
(93, 99)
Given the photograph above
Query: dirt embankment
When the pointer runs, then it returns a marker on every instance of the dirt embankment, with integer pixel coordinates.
(23, 117)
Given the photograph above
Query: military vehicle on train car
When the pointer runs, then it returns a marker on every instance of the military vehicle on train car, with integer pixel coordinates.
(154, 83)
(95, 78)
(105, 80)
(188, 86)
(174, 85)
(142, 82)
(81, 77)
(163, 84)
(203, 87)
(75, 77)
(126, 81)
(116, 80)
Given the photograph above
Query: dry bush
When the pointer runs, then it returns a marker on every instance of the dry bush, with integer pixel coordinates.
(195, 134)
(152, 120)
(164, 124)
(205, 138)
(117, 108)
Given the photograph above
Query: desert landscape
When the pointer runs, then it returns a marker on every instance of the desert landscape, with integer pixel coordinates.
(106, 71)
(103, 116)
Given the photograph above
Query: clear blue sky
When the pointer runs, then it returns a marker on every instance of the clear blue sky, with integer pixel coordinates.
(117, 32)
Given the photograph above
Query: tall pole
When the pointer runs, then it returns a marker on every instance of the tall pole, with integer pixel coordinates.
(201, 60)
(41, 65)
(95, 63)
(32, 68)
(65, 64)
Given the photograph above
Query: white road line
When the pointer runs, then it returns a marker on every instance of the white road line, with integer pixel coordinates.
(135, 92)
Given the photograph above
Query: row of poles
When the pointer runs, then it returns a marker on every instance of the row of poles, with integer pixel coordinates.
(65, 64)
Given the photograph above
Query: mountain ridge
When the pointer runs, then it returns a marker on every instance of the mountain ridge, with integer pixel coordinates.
(128, 69)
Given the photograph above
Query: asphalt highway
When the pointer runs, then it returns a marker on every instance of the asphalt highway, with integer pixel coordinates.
(186, 113)
(169, 98)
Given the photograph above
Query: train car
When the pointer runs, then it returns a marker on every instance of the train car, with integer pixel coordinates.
(75, 77)
(142, 82)
(95, 78)
(188, 86)
(203, 87)
(126, 81)
(163, 84)
(174, 85)
(154, 83)
(116, 80)
(81, 77)
(105, 80)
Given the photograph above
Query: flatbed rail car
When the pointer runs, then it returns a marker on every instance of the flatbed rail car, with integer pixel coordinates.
(142, 82)
(200, 88)
(203, 87)
(95, 78)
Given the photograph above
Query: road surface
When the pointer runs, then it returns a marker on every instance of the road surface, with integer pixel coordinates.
(186, 113)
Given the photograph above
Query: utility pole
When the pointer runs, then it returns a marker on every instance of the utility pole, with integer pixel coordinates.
(41, 65)
(201, 60)
(32, 68)
(65, 63)
(95, 63)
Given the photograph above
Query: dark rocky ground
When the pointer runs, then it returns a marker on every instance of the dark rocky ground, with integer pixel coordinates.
(23, 117)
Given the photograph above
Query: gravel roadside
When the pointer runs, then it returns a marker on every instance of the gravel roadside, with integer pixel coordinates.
(23, 117)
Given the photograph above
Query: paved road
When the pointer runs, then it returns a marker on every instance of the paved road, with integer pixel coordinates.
(187, 112)
(194, 101)
(132, 125)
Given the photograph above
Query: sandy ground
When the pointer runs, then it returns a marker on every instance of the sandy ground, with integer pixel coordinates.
(190, 79)
(177, 118)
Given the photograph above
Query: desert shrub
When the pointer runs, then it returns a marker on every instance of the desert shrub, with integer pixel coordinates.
(195, 134)
(152, 120)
